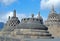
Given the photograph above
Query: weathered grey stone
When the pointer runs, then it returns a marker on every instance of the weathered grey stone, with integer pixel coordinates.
(28, 27)
(53, 23)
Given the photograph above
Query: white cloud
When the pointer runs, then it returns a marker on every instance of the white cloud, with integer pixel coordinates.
(7, 2)
(4, 17)
(49, 3)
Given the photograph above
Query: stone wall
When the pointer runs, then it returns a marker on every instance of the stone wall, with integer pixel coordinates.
(54, 30)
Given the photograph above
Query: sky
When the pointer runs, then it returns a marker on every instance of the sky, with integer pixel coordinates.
(24, 8)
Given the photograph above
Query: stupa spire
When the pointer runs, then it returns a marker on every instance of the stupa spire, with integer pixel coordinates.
(52, 10)
(9, 18)
(14, 13)
(39, 14)
(32, 15)
(52, 7)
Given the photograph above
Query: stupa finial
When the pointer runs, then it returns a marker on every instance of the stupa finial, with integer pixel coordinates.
(14, 13)
(32, 15)
(52, 8)
(9, 18)
(39, 14)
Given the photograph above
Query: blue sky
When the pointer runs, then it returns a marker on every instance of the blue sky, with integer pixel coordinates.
(25, 8)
